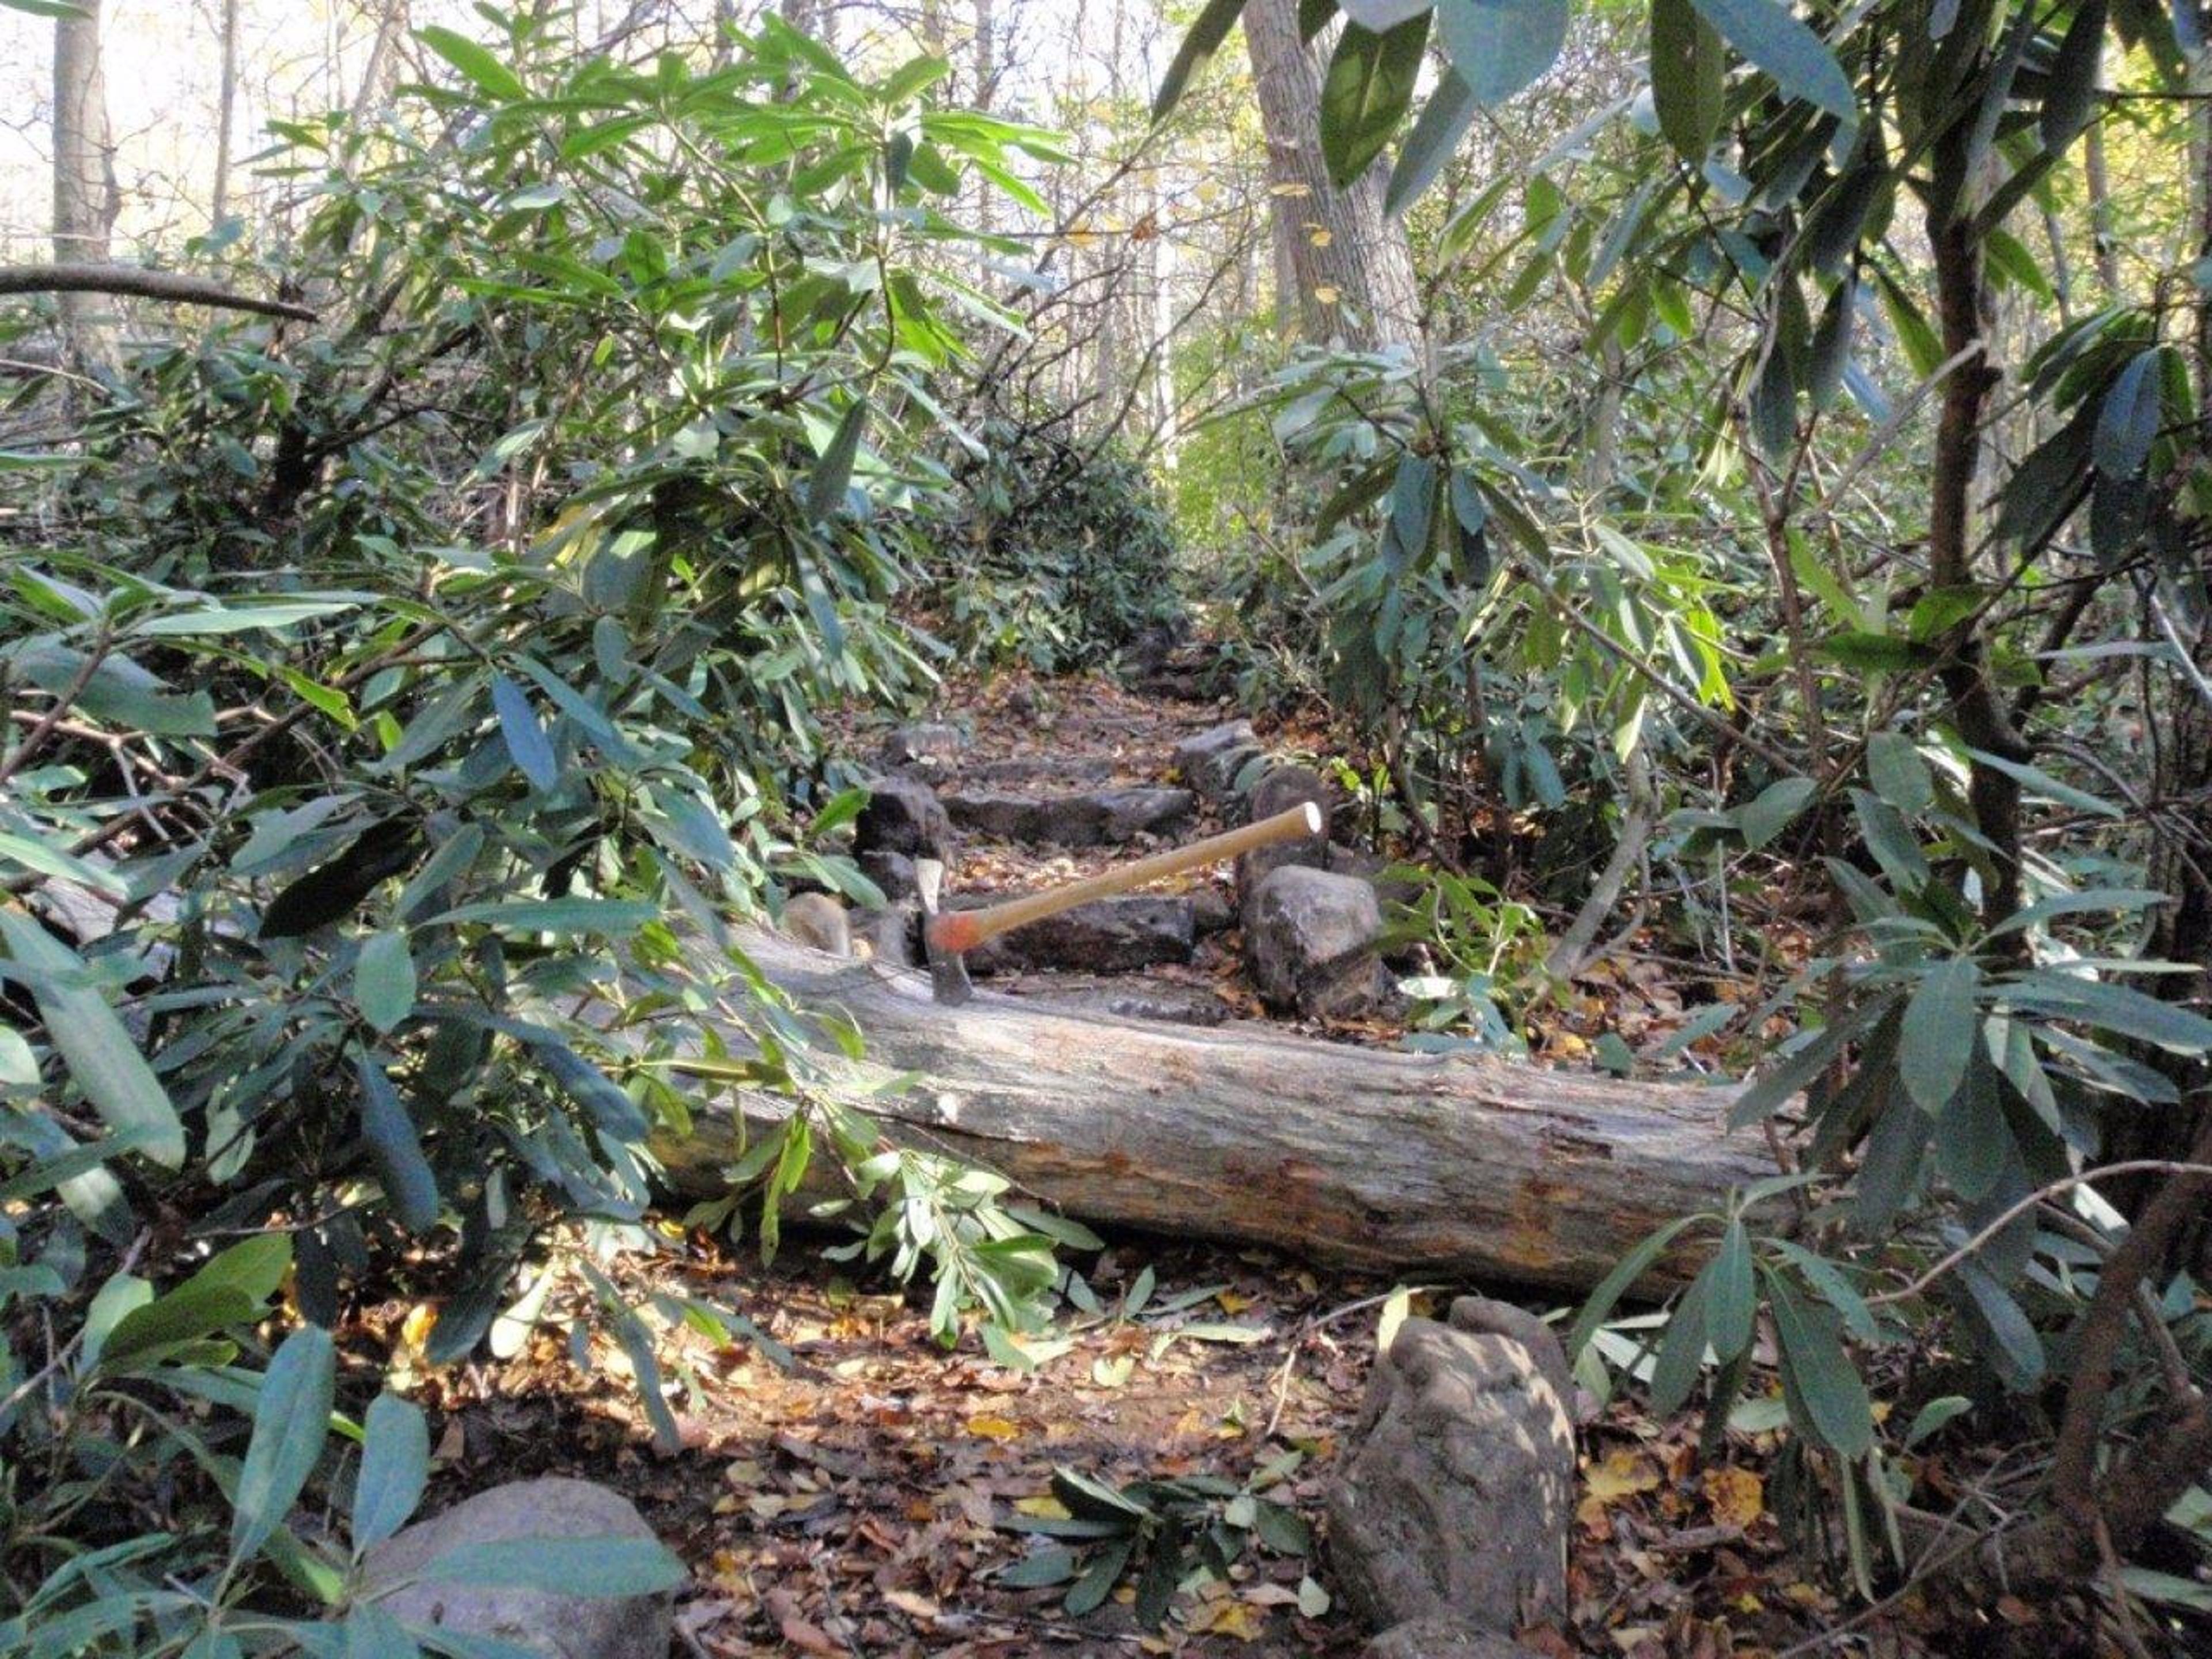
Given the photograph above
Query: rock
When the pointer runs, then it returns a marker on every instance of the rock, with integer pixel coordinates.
(1099, 818)
(1278, 791)
(539, 1621)
(1441, 1638)
(817, 921)
(904, 817)
(891, 872)
(1080, 770)
(1309, 938)
(1372, 868)
(928, 747)
(1210, 762)
(1210, 911)
(1454, 1505)
(1106, 936)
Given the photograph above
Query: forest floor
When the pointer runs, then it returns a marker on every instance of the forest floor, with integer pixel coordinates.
(862, 1492)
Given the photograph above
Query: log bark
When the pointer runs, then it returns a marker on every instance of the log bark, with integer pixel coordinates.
(1397, 1163)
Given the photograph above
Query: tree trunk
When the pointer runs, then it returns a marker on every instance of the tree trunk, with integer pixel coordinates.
(376, 80)
(1399, 1162)
(226, 111)
(86, 200)
(1352, 268)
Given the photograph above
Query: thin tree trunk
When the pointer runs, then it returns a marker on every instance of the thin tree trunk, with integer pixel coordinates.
(226, 110)
(86, 198)
(1349, 261)
(376, 79)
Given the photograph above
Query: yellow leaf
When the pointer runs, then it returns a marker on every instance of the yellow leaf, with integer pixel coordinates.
(1290, 188)
(1624, 1472)
(1231, 1302)
(1326, 295)
(1043, 1509)
(1319, 235)
(414, 1329)
(994, 1428)
(1113, 1373)
(1230, 1618)
(1738, 1496)
(1083, 239)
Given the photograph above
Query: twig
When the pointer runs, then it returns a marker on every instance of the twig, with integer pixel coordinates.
(2012, 1214)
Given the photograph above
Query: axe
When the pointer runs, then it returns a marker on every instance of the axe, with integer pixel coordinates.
(948, 935)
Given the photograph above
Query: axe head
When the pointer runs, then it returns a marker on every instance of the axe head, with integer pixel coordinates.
(948, 971)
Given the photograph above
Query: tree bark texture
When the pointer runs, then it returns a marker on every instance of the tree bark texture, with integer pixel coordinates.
(1348, 261)
(1397, 1163)
(86, 200)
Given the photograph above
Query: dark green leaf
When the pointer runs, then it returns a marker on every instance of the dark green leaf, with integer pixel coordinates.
(1616, 1283)
(1941, 1027)
(1205, 39)
(1732, 1300)
(1831, 352)
(832, 473)
(2070, 92)
(1826, 1380)
(1689, 72)
(526, 740)
(1682, 1353)
(1774, 809)
(2127, 418)
(1898, 775)
(1366, 92)
(409, 1186)
(1437, 131)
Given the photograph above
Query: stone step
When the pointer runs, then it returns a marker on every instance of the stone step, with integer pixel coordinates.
(1157, 1001)
(1116, 935)
(1100, 817)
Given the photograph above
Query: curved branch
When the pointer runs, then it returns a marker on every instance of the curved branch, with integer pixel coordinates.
(139, 283)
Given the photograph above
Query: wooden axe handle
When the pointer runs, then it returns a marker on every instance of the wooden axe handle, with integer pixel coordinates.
(961, 931)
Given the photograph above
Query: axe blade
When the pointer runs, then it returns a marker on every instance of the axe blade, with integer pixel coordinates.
(948, 972)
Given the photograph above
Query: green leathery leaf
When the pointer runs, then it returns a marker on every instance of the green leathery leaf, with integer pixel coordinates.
(289, 1422)
(1799, 61)
(384, 981)
(1616, 1283)
(489, 76)
(832, 473)
(1936, 1042)
(1204, 40)
(395, 1465)
(1437, 131)
(2127, 418)
(1826, 1381)
(409, 1186)
(1732, 1300)
(1365, 93)
(2069, 95)
(1689, 72)
(527, 745)
(1898, 773)
(1499, 46)
(1682, 1351)
(94, 1043)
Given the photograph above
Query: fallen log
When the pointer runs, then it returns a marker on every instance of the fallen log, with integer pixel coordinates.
(1399, 1162)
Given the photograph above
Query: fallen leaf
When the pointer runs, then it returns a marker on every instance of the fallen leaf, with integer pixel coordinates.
(994, 1428)
(1738, 1496)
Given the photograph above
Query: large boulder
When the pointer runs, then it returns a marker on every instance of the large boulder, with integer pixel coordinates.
(902, 816)
(1209, 761)
(1101, 817)
(1310, 938)
(1106, 936)
(539, 1621)
(1453, 1504)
